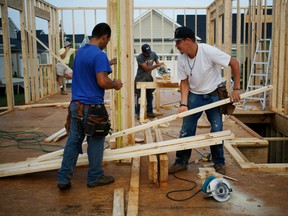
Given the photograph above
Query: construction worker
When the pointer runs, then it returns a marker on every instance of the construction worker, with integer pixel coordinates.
(197, 68)
(87, 112)
(62, 70)
(146, 64)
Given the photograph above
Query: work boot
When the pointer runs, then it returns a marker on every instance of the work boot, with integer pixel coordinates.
(220, 169)
(176, 168)
(63, 92)
(104, 180)
(151, 115)
(64, 186)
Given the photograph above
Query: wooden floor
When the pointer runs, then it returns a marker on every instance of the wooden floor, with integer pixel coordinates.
(255, 193)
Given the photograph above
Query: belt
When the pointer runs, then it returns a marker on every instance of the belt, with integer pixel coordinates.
(81, 104)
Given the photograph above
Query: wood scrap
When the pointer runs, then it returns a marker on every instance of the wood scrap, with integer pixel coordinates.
(118, 202)
(60, 136)
(53, 136)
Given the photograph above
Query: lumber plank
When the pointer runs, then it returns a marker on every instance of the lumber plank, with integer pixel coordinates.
(153, 160)
(118, 202)
(176, 116)
(162, 160)
(60, 136)
(154, 145)
(252, 141)
(37, 166)
(163, 172)
(134, 148)
(53, 136)
(133, 198)
(184, 114)
(240, 160)
(153, 169)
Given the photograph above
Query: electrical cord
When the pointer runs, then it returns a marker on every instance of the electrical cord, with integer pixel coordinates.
(168, 195)
(28, 140)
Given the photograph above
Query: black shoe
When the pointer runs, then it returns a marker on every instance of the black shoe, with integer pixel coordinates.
(176, 168)
(220, 169)
(104, 180)
(64, 186)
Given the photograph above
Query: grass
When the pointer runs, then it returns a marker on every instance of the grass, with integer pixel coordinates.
(18, 98)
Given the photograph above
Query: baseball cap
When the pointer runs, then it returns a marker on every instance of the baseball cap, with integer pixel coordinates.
(182, 33)
(66, 43)
(146, 48)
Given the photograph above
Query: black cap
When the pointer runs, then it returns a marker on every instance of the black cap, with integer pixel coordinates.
(183, 32)
(146, 48)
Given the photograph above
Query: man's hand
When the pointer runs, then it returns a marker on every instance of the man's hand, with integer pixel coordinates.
(113, 61)
(182, 109)
(117, 84)
(235, 96)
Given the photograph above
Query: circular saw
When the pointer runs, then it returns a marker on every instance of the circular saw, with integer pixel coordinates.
(218, 188)
(163, 70)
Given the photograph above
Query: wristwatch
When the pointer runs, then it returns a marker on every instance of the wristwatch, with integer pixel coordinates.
(183, 105)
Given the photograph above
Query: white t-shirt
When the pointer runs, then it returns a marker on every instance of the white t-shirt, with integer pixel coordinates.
(203, 73)
(68, 54)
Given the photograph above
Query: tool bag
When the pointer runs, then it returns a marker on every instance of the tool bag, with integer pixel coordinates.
(226, 109)
(97, 123)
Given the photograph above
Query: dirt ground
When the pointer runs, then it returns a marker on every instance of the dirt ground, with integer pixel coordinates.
(255, 193)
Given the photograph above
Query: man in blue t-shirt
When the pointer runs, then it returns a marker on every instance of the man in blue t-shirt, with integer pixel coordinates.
(90, 79)
(145, 62)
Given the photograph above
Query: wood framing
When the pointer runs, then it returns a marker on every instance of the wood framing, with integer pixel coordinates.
(7, 55)
(231, 147)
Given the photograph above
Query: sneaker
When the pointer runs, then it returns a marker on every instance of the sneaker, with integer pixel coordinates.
(151, 115)
(104, 180)
(220, 169)
(176, 168)
(64, 186)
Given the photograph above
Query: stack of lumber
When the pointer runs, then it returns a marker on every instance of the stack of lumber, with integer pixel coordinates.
(53, 161)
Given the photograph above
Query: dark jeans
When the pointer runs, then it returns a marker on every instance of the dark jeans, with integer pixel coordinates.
(74, 147)
(189, 126)
(149, 100)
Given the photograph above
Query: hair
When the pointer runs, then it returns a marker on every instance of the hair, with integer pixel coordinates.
(100, 30)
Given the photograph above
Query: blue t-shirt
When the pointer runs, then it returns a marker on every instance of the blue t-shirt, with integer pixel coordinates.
(89, 61)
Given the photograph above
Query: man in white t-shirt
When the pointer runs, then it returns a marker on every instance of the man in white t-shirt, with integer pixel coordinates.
(62, 70)
(197, 69)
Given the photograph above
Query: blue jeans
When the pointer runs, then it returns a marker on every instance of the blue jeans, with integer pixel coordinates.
(74, 147)
(189, 126)
(149, 100)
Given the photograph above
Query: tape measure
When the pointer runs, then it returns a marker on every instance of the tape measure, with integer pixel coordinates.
(118, 75)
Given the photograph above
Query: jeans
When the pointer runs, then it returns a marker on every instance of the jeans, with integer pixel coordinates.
(149, 100)
(189, 126)
(74, 147)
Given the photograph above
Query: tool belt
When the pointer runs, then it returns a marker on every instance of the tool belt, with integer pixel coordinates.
(97, 123)
(226, 109)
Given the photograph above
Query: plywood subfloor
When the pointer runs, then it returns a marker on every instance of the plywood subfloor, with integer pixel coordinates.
(255, 193)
